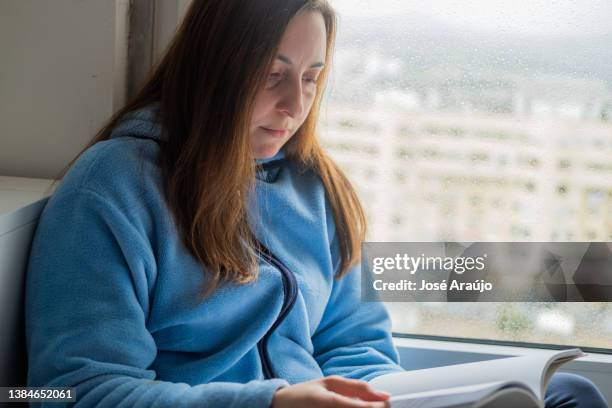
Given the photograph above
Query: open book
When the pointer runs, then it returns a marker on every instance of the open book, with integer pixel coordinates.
(501, 383)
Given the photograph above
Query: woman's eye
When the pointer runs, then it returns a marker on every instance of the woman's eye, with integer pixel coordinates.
(274, 78)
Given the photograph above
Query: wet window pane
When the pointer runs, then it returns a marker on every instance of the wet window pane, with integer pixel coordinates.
(479, 120)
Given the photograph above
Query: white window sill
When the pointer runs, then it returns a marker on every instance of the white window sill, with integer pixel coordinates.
(493, 349)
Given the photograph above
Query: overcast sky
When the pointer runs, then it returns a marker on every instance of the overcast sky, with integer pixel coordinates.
(522, 17)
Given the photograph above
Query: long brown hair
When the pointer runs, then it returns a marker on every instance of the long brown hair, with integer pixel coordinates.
(205, 85)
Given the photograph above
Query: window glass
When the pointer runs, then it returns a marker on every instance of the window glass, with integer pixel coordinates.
(478, 120)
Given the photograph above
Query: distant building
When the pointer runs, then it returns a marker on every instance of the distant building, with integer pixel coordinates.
(479, 176)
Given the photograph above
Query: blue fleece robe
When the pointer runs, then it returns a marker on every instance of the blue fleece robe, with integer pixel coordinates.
(111, 292)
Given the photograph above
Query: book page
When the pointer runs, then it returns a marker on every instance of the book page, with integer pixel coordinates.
(529, 370)
(510, 398)
(466, 396)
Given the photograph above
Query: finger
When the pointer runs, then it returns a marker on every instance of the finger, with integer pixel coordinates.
(354, 388)
(341, 401)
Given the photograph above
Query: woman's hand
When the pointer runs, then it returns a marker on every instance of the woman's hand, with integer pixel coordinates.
(332, 391)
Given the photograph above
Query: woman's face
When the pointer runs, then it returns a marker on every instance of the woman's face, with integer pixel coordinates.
(284, 101)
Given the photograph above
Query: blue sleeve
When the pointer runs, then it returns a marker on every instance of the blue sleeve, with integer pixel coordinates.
(353, 338)
(90, 274)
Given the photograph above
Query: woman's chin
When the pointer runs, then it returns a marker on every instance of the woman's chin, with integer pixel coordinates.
(265, 152)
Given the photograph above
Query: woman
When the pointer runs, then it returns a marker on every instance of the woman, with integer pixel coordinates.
(154, 277)
(202, 250)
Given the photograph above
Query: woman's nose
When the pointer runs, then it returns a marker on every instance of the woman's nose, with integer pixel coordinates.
(291, 102)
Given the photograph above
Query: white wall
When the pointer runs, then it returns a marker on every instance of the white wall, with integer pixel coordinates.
(62, 74)
(64, 71)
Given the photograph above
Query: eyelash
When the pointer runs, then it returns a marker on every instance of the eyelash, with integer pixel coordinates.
(280, 76)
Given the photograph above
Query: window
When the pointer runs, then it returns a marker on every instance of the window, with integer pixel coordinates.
(495, 118)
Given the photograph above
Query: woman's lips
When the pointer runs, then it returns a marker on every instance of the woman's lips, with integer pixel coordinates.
(276, 132)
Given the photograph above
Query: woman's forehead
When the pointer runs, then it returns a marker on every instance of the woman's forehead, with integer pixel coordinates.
(304, 41)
